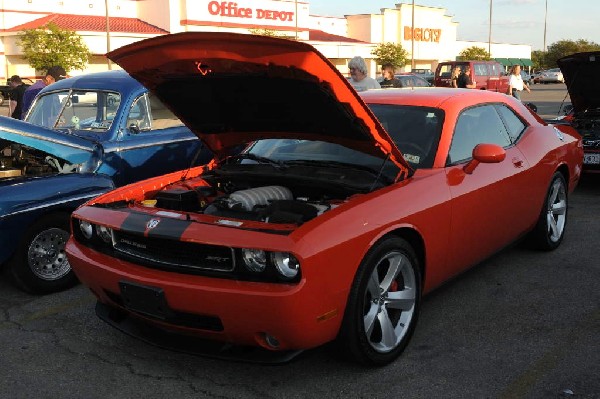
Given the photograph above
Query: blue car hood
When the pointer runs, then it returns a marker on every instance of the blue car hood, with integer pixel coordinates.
(71, 148)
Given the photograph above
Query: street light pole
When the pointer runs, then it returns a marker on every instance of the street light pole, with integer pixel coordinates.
(490, 33)
(296, 19)
(412, 38)
(107, 34)
(545, 19)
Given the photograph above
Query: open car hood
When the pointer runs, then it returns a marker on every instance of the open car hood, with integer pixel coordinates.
(582, 76)
(72, 149)
(231, 89)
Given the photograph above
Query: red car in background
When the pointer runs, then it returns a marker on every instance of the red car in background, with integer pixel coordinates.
(488, 75)
(343, 211)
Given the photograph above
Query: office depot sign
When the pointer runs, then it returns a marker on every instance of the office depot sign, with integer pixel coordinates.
(232, 9)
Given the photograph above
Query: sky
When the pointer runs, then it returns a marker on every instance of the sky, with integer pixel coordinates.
(513, 21)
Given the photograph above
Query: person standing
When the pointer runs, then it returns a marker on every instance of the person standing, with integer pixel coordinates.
(515, 83)
(358, 73)
(389, 80)
(53, 74)
(465, 80)
(15, 102)
(454, 76)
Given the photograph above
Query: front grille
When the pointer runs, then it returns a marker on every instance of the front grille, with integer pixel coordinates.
(179, 255)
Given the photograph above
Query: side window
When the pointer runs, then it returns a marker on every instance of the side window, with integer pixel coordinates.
(514, 125)
(138, 117)
(162, 117)
(475, 126)
(445, 70)
(481, 70)
(496, 69)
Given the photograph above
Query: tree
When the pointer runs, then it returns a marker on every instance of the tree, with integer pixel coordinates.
(563, 48)
(474, 53)
(390, 53)
(50, 45)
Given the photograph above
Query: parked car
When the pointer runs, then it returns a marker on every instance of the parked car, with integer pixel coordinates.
(424, 73)
(526, 76)
(82, 137)
(553, 75)
(333, 223)
(408, 80)
(411, 80)
(488, 75)
(581, 71)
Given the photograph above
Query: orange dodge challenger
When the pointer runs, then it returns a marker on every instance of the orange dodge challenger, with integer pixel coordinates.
(339, 213)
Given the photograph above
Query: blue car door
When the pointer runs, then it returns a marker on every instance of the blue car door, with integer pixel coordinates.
(155, 142)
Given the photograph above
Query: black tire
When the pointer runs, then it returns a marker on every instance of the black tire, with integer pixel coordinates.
(370, 346)
(550, 228)
(40, 265)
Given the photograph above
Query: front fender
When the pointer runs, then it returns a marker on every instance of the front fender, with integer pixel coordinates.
(25, 200)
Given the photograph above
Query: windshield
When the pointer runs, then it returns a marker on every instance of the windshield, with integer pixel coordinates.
(75, 109)
(415, 130)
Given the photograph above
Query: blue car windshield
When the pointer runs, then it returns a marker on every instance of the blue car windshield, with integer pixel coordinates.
(75, 109)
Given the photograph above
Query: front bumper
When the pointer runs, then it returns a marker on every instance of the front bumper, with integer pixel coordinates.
(192, 345)
(230, 311)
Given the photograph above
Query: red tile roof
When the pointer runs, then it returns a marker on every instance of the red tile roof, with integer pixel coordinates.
(320, 36)
(92, 23)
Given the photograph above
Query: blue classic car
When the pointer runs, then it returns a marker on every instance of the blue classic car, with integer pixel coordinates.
(82, 137)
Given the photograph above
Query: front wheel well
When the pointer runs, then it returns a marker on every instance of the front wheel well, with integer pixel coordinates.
(416, 242)
(564, 170)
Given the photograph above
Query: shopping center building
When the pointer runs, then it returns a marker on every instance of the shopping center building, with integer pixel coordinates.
(429, 34)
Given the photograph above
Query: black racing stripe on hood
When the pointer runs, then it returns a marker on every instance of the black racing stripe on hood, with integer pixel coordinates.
(155, 226)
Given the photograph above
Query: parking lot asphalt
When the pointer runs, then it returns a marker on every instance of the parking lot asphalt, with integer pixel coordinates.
(523, 324)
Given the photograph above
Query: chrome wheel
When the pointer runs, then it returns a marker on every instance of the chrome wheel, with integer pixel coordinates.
(556, 210)
(46, 254)
(389, 303)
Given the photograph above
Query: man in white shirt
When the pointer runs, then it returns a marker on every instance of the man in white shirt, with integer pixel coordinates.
(359, 78)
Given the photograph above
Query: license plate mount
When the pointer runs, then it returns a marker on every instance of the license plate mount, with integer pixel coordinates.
(146, 300)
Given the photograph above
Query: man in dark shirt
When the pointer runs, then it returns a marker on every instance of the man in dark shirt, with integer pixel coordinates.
(465, 80)
(16, 95)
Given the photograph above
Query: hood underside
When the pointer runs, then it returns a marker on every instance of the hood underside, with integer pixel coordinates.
(582, 76)
(231, 89)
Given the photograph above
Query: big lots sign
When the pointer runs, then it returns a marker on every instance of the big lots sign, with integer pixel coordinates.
(232, 9)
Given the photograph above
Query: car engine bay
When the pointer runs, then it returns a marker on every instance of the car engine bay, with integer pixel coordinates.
(19, 160)
(293, 199)
(588, 125)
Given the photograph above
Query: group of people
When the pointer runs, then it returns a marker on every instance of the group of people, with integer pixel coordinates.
(460, 78)
(22, 95)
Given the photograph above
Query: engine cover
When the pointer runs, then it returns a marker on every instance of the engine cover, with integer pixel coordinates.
(260, 196)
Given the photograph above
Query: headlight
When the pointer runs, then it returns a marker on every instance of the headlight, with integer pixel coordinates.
(104, 233)
(286, 264)
(86, 229)
(255, 259)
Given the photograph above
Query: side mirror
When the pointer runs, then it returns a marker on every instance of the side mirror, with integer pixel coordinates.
(485, 153)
